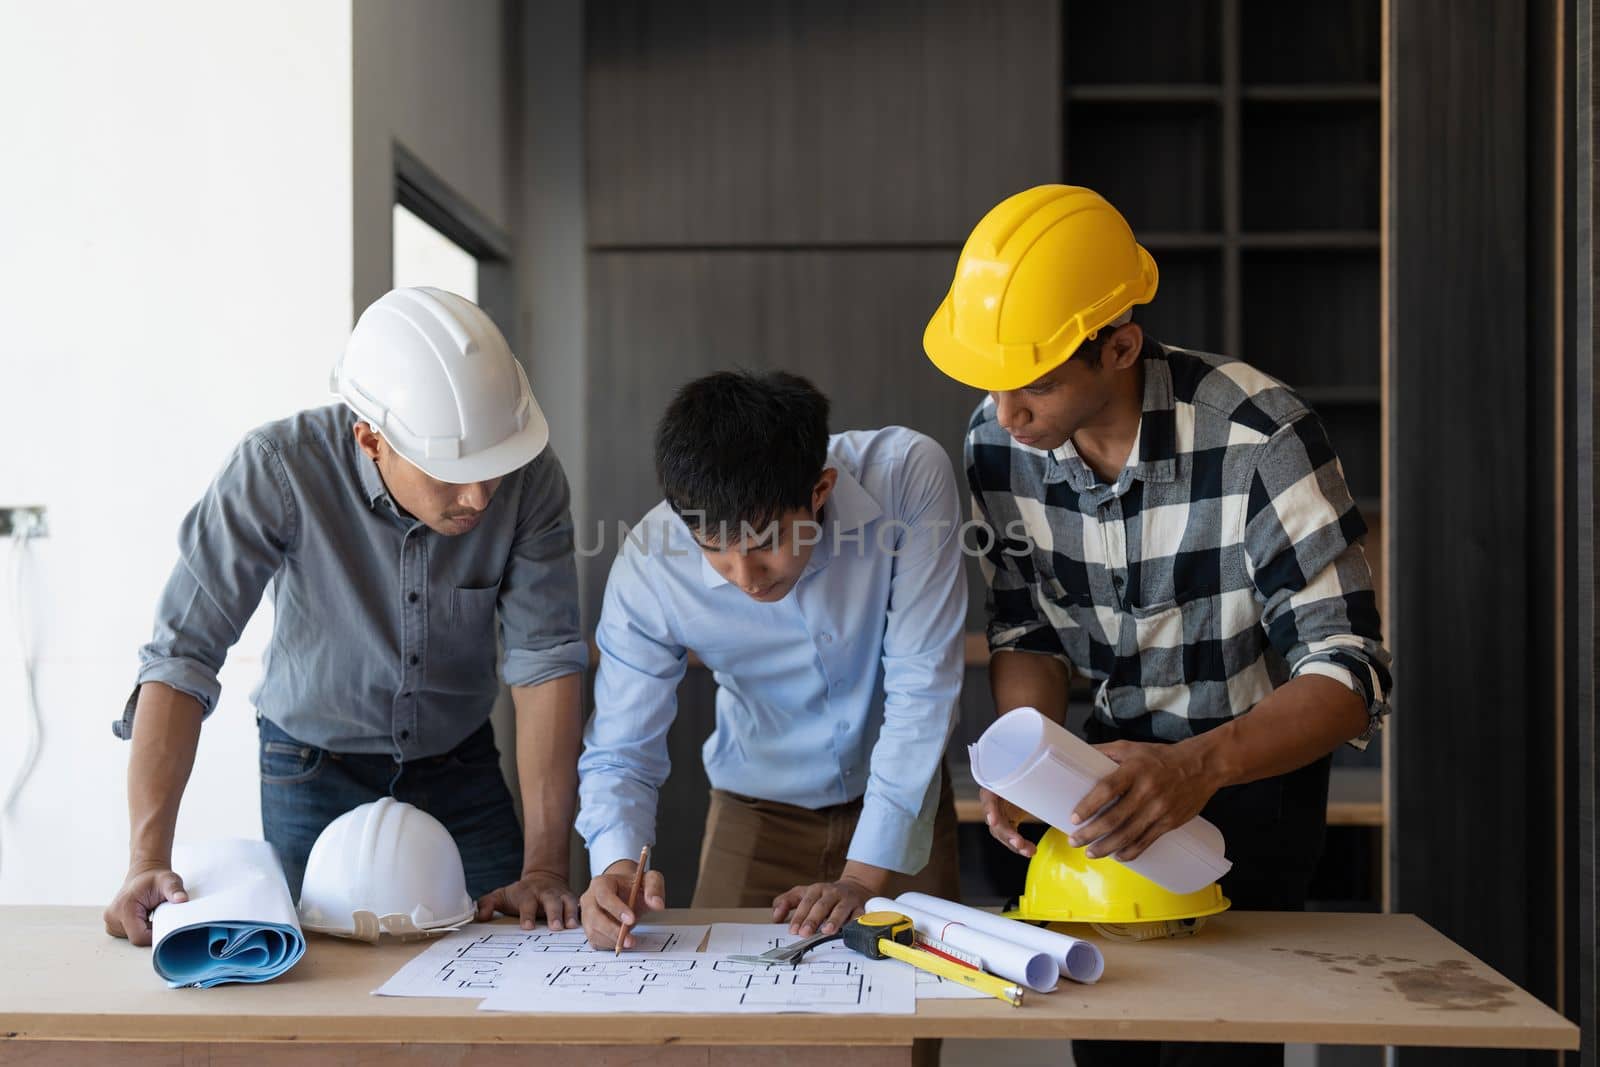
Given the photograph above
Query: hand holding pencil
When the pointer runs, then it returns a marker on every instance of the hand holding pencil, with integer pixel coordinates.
(618, 899)
(633, 899)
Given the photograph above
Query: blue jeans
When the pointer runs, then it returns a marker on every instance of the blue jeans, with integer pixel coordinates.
(304, 788)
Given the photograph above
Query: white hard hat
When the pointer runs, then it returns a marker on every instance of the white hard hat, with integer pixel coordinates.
(385, 867)
(433, 374)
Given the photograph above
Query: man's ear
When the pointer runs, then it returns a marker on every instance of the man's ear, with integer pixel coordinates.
(823, 489)
(368, 441)
(1121, 349)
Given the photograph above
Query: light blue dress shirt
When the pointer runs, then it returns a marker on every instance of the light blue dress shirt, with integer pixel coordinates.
(846, 688)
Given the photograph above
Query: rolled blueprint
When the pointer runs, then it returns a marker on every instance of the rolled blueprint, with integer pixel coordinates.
(1081, 961)
(238, 924)
(1033, 968)
(1044, 769)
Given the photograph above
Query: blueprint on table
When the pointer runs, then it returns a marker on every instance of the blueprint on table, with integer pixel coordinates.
(707, 983)
(736, 939)
(471, 961)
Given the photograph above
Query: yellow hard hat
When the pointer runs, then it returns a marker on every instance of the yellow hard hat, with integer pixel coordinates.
(1041, 272)
(1065, 885)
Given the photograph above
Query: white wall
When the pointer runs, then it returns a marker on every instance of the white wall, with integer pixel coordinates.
(175, 267)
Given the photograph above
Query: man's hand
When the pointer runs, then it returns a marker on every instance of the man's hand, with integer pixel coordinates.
(1003, 818)
(1155, 788)
(605, 902)
(535, 892)
(827, 906)
(147, 888)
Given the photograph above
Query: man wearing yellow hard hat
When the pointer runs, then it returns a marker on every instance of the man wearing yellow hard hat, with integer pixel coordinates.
(1173, 525)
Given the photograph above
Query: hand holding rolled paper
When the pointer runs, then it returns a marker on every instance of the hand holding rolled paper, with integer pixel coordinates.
(1039, 766)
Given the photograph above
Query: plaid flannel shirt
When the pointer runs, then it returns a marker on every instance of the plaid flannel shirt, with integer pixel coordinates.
(1225, 560)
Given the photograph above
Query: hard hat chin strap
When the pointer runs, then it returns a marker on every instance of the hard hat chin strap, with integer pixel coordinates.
(1151, 931)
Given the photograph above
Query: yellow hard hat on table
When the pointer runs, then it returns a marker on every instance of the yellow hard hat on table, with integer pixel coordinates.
(1065, 885)
(1043, 271)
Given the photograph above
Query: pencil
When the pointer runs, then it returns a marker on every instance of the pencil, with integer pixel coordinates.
(633, 898)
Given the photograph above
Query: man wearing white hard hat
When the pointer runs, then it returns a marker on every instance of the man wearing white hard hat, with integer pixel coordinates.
(394, 529)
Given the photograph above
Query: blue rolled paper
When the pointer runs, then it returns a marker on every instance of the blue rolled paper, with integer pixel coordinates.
(239, 923)
(215, 953)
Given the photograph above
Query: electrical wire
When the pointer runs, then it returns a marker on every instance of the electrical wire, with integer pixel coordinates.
(34, 722)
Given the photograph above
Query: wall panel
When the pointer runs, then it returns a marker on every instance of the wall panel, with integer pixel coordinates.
(727, 122)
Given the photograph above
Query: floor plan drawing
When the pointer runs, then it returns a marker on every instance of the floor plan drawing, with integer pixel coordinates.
(735, 939)
(706, 983)
(472, 961)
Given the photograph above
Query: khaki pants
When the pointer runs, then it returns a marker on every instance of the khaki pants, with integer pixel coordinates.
(756, 849)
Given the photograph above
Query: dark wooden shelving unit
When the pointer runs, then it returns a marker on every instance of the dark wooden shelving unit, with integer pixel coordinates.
(1146, 94)
(1241, 139)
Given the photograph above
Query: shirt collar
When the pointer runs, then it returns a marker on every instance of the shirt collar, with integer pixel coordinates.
(1153, 457)
(1157, 447)
(849, 508)
(372, 485)
(371, 480)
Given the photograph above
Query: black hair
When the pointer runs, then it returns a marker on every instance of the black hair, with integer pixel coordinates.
(741, 448)
(1090, 351)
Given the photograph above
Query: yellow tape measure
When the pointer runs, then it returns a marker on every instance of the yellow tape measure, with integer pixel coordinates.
(890, 935)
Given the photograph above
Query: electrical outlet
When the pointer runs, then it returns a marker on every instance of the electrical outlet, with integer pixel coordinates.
(17, 521)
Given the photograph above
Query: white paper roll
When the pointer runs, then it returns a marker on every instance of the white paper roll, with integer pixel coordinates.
(1031, 967)
(239, 923)
(1081, 961)
(1045, 770)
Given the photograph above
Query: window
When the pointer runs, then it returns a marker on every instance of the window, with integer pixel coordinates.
(424, 256)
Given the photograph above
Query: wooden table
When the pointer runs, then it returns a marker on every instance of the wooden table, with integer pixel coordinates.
(70, 994)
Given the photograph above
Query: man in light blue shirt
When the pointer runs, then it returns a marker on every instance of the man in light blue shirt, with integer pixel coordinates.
(820, 579)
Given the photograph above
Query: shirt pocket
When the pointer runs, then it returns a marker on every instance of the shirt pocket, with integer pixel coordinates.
(1178, 641)
(1173, 605)
(473, 607)
(1062, 599)
(469, 637)
(1064, 607)
(1158, 625)
(1066, 585)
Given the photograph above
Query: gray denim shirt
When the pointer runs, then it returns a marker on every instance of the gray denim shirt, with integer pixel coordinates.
(383, 635)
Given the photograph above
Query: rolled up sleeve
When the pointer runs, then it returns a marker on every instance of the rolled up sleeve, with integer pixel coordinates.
(538, 607)
(1309, 571)
(229, 546)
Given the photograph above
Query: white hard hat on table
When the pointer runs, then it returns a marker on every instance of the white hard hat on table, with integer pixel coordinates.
(433, 374)
(384, 868)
